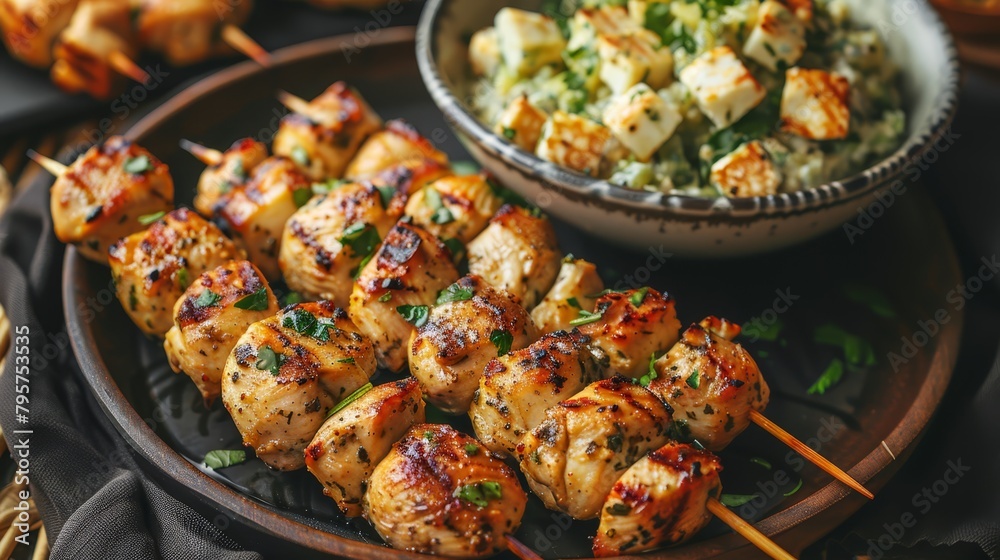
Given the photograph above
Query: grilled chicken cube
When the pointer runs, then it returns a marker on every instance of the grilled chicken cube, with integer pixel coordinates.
(325, 139)
(722, 86)
(99, 30)
(575, 456)
(188, 31)
(397, 143)
(326, 241)
(472, 324)
(516, 389)
(528, 41)
(627, 60)
(521, 123)
(395, 290)
(30, 28)
(641, 120)
(711, 382)
(778, 37)
(518, 253)
(102, 195)
(152, 268)
(576, 289)
(210, 317)
(402, 180)
(814, 104)
(287, 372)
(354, 439)
(746, 171)
(216, 181)
(440, 492)
(255, 215)
(575, 142)
(454, 207)
(659, 501)
(484, 52)
(590, 23)
(633, 326)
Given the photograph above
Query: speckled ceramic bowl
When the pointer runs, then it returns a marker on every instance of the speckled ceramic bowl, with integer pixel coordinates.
(684, 225)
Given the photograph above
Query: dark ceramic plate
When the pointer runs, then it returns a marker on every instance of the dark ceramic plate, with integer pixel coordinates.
(905, 258)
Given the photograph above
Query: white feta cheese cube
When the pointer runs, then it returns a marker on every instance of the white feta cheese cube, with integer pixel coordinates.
(814, 104)
(574, 142)
(778, 36)
(746, 171)
(722, 86)
(641, 120)
(521, 123)
(484, 52)
(528, 41)
(629, 59)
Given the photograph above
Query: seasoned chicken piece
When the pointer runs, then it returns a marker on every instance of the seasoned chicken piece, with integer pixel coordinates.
(517, 252)
(356, 438)
(99, 29)
(102, 195)
(575, 289)
(711, 382)
(454, 207)
(632, 327)
(210, 317)
(287, 372)
(395, 290)
(399, 142)
(515, 390)
(326, 241)
(232, 172)
(188, 31)
(440, 492)
(152, 268)
(400, 181)
(255, 215)
(574, 457)
(324, 139)
(472, 324)
(659, 501)
(30, 28)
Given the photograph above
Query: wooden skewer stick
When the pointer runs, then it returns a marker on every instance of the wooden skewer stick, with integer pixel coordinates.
(294, 103)
(126, 67)
(206, 155)
(521, 550)
(749, 532)
(47, 163)
(242, 42)
(807, 452)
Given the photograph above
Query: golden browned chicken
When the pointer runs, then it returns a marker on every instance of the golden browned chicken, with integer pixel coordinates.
(214, 312)
(30, 28)
(517, 252)
(188, 31)
(396, 288)
(358, 435)
(255, 215)
(327, 240)
(630, 327)
(711, 382)
(152, 268)
(575, 290)
(398, 142)
(575, 456)
(107, 194)
(454, 207)
(324, 139)
(99, 30)
(441, 492)
(515, 390)
(659, 501)
(471, 324)
(402, 180)
(238, 162)
(287, 372)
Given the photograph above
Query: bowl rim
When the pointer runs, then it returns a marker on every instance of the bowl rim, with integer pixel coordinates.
(575, 185)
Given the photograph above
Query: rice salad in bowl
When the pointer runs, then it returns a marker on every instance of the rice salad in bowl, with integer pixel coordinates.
(710, 98)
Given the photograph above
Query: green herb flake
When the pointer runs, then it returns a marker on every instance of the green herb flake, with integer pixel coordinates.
(182, 278)
(503, 340)
(415, 315)
(480, 493)
(762, 462)
(360, 392)
(509, 133)
(585, 317)
(305, 323)
(694, 380)
(147, 219)
(471, 449)
(269, 360)
(385, 297)
(345, 361)
(362, 238)
(618, 509)
(441, 215)
(222, 458)
(300, 156)
(256, 301)
(138, 165)
(651, 374)
(831, 376)
(573, 302)
(456, 247)
(455, 292)
(208, 298)
(736, 500)
(302, 197)
(386, 193)
(639, 296)
(292, 298)
(793, 490)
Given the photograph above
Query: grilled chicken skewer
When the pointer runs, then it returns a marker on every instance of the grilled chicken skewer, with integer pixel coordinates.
(188, 31)
(100, 197)
(226, 170)
(575, 289)
(30, 30)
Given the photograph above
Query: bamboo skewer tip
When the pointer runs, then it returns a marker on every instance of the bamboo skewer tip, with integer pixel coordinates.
(521, 550)
(52, 166)
(748, 531)
(239, 40)
(809, 453)
(293, 102)
(127, 67)
(206, 155)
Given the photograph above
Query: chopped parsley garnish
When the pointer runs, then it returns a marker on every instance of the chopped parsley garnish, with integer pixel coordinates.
(509, 133)
(300, 156)
(269, 360)
(301, 197)
(328, 186)
(573, 302)
(386, 193)
(222, 458)
(138, 165)
(363, 239)
(471, 449)
(618, 508)
(694, 380)
(442, 215)
(502, 339)
(345, 361)
(456, 247)
(615, 442)
(305, 323)
(350, 398)
(415, 315)
(651, 374)
(479, 493)
(736, 500)
(585, 317)
(292, 298)
(147, 219)
(182, 278)
(385, 297)
(455, 292)
(256, 301)
(639, 296)
(830, 376)
(208, 298)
